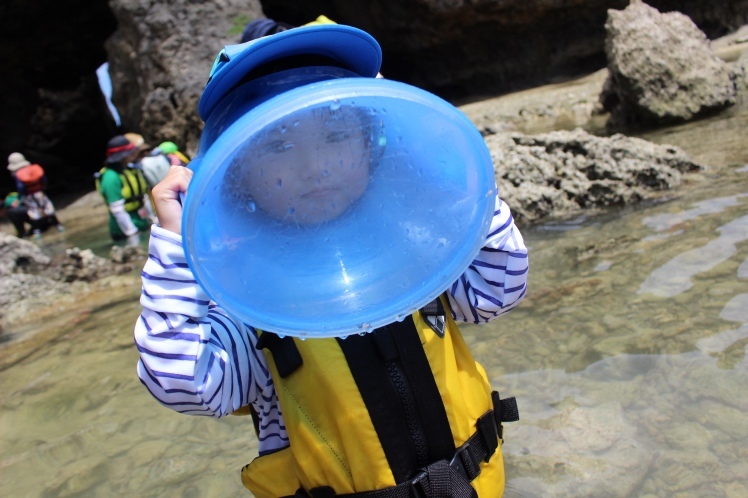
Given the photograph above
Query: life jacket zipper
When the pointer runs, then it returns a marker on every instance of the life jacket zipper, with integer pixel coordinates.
(400, 382)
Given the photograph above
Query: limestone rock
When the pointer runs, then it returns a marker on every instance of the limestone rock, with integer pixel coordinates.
(84, 265)
(662, 68)
(561, 172)
(160, 59)
(20, 256)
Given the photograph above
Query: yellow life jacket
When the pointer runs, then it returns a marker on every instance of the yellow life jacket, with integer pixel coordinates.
(134, 186)
(346, 433)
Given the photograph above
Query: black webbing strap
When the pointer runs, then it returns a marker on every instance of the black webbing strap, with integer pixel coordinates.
(505, 410)
(397, 386)
(285, 353)
(434, 308)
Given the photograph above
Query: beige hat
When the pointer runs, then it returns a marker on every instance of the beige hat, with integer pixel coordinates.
(16, 161)
(137, 140)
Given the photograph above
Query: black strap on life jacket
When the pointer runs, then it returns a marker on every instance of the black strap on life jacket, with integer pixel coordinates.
(397, 385)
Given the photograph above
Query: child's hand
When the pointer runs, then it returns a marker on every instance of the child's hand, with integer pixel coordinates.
(166, 198)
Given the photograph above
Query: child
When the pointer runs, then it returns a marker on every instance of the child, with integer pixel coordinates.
(125, 192)
(31, 181)
(401, 411)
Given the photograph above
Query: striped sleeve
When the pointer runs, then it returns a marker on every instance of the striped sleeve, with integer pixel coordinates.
(194, 359)
(496, 281)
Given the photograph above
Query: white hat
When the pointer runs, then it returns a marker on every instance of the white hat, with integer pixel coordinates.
(16, 161)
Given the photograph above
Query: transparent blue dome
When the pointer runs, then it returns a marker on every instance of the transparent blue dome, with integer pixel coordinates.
(335, 207)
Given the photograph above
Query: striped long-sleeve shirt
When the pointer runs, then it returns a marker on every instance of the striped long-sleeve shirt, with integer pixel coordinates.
(195, 359)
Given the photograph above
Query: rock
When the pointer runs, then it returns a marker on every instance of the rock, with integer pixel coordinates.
(20, 256)
(561, 172)
(84, 265)
(160, 58)
(126, 254)
(662, 68)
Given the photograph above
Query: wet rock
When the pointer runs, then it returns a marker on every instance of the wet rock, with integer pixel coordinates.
(20, 256)
(84, 265)
(562, 172)
(662, 69)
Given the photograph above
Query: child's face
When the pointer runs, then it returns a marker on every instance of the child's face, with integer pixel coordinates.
(309, 171)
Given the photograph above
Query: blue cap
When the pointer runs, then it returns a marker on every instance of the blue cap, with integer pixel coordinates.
(353, 48)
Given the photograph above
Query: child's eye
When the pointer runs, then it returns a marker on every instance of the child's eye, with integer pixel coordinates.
(337, 137)
(278, 146)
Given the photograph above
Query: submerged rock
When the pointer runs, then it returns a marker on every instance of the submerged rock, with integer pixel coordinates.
(562, 172)
(662, 69)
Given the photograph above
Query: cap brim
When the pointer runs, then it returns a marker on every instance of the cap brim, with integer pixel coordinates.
(355, 49)
(118, 157)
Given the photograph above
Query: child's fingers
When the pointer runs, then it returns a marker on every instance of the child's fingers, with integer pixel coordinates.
(166, 197)
(177, 180)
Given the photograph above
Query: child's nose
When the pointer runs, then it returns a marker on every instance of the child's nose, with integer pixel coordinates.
(317, 165)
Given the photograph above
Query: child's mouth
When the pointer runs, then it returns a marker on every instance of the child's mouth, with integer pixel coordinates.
(318, 193)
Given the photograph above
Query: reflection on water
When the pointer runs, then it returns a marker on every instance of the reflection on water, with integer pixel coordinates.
(628, 360)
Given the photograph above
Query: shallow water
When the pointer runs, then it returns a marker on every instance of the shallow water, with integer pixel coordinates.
(628, 359)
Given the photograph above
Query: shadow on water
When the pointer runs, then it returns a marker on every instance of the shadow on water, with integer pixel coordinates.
(628, 360)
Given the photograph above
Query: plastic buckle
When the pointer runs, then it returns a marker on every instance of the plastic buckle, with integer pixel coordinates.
(458, 465)
(417, 486)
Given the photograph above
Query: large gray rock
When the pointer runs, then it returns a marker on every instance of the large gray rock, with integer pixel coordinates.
(562, 172)
(662, 69)
(160, 58)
